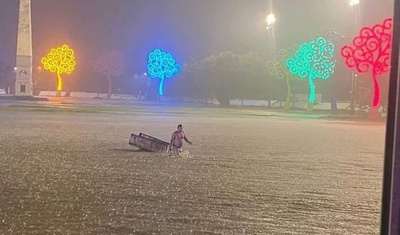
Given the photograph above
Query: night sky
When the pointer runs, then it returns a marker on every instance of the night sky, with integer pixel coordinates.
(186, 28)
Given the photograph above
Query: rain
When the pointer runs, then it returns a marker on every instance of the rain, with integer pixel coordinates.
(283, 123)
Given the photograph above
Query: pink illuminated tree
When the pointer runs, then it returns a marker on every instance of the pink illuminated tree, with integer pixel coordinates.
(110, 63)
(371, 51)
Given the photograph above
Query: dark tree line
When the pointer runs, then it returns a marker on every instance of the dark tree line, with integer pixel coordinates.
(225, 77)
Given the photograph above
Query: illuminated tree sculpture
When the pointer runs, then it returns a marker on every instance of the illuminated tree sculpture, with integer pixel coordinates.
(277, 68)
(59, 60)
(162, 65)
(371, 49)
(111, 64)
(313, 60)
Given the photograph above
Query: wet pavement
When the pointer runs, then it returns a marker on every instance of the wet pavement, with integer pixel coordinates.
(73, 172)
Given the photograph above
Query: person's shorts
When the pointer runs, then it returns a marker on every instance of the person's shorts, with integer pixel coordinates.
(180, 148)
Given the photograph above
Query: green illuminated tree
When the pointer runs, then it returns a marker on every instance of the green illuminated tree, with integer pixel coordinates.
(313, 60)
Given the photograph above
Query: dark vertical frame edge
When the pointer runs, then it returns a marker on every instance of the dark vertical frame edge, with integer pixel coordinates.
(389, 215)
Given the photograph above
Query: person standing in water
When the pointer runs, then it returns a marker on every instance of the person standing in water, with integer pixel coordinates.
(177, 140)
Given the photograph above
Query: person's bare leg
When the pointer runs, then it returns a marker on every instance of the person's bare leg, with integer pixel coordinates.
(175, 150)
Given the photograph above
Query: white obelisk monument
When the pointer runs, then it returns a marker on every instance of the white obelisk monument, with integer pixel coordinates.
(23, 82)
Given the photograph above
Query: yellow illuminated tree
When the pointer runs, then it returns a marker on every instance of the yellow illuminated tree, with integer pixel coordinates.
(60, 60)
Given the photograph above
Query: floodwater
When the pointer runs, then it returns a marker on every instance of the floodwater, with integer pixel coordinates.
(73, 172)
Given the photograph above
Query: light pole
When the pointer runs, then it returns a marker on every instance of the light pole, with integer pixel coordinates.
(36, 77)
(270, 21)
(355, 4)
(333, 37)
(143, 84)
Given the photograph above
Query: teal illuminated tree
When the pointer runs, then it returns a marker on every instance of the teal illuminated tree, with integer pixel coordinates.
(277, 68)
(313, 60)
(162, 65)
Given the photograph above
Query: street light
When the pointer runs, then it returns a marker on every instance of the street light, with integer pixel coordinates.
(334, 37)
(143, 85)
(355, 4)
(270, 20)
(36, 78)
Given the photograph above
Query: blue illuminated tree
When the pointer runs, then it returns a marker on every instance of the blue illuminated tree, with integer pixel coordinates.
(313, 60)
(162, 65)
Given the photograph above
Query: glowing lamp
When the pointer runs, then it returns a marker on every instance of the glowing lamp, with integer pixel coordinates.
(354, 2)
(270, 20)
